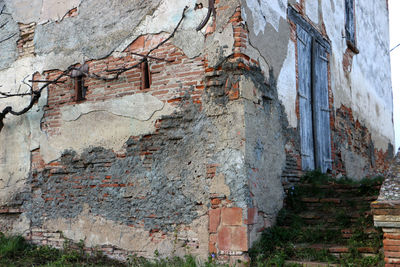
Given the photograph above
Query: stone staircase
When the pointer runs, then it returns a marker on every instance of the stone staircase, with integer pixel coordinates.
(325, 223)
(339, 217)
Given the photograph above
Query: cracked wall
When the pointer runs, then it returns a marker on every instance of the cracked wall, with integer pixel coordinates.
(8, 36)
(21, 12)
(127, 170)
(357, 81)
(198, 162)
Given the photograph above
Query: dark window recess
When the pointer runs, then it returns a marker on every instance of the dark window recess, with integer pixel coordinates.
(79, 86)
(350, 25)
(80, 89)
(314, 124)
(146, 75)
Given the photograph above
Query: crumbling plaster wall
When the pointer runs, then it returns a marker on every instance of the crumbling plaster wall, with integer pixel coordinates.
(59, 44)
(367, 88)
(9, 36)
(265, 154)
(364, 85)
(128, 172)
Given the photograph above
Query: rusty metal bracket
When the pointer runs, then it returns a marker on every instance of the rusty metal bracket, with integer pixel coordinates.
(211, 8)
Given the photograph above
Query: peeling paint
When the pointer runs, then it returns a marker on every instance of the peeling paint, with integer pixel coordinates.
(287, 85)
(264, 12)
(96, 231)
(138, 106)
(94, 125)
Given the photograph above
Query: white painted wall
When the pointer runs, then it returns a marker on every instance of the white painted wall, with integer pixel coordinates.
(367, 89)
(394, 16)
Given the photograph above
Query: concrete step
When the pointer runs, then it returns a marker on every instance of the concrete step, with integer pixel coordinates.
(310, 263)
(336, 249)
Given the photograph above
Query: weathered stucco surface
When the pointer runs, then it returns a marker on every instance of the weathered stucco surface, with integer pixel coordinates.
(40, 11)
(67, 48)
(267, 21)
(96, 32)
(287, 85)
(367, 88)
(9, 31)
(117, 120)
(98, 231)
(368, 83)
(141, 169)
(128, 172)
(14, 158)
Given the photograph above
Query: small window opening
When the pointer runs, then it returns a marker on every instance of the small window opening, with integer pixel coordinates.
(350, 25)
(79, 86)
(146, 76)
(80, 90)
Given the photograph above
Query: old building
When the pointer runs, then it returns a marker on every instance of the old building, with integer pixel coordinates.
(176, 125)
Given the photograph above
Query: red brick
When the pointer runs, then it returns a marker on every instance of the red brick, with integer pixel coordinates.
(391, 236)
(212, 248)
(330, 200)
(239, 239)
(390, 242)
(224, 239)
(214, 218)
(231, 216)
(211, 245)
(392, 248)
(392, 254)
(234, 95)
(215, 201)
(366, 250)
(392, 261)
(338, 250)
(310, 199)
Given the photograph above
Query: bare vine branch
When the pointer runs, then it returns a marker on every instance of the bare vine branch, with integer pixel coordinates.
(155, 58)
(119, 71)
(7, 38)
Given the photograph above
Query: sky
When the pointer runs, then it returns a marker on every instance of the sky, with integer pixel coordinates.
(394, 19)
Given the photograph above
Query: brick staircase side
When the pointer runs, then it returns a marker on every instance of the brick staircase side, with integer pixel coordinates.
(341, 208)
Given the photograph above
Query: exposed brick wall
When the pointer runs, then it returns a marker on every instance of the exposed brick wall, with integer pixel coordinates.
(386, 211)
(391, 247)
(171, 81)
(104, 178)
(350, 132)
(25, 43)
(56, 239)
(228, 232)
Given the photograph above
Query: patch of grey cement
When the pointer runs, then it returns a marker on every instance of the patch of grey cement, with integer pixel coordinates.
(9, 35)
(98, 29)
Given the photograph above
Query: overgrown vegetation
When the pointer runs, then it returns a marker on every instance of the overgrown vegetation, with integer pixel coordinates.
(283, 241)
(15, 251)
(277, 244)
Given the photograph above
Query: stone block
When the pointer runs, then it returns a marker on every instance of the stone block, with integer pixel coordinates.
(214, 216)
(239, 239)
(231, 216)
(224, 239)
